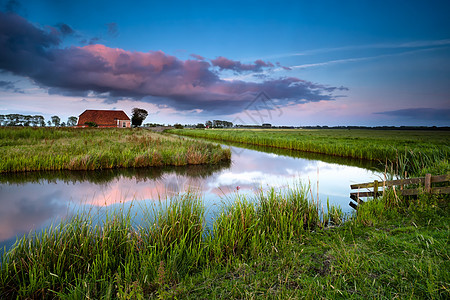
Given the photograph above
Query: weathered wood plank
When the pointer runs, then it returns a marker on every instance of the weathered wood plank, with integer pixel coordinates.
(389, 183)
(434, 190)
(356, 199)
(364, 194)
(361, 185)
(440, 178)
(353, 205)
(402, 182)
(440, 190)
(410, 192)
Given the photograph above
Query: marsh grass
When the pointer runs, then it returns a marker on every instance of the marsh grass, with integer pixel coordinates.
(393, 248)
(37, 149)
(274, 245)
(408, 151)
(419, 163)
(87, 255)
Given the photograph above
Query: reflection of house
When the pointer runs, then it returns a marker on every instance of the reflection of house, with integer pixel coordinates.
(104, 118)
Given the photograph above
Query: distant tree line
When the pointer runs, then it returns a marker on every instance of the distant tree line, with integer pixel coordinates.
(154, 125)
(36, 120)
(442, 128)
(226, 124)
(265, 126)
(218, 124)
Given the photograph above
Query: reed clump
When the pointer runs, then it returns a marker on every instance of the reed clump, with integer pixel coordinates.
(44, 149)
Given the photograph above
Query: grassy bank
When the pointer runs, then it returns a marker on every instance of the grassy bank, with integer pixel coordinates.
(411, 151)
(274, 246)
(37, 149)
(386, 253)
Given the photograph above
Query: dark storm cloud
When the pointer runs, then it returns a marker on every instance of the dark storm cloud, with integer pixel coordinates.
(9, 86)
(431, 114)
(24, 47)
(12, 6)
(6, 85)
(153, 76)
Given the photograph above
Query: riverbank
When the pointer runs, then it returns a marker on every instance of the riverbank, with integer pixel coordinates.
(410, 151)
(278, 245)
(45, 149)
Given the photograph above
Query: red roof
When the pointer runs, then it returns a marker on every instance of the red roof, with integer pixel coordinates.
(102, 117)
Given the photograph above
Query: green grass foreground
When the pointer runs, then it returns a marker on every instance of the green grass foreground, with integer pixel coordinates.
(38, 149)
(277, 245)
(411, 150)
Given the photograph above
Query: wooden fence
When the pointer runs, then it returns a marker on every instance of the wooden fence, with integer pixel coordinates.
(400, 186)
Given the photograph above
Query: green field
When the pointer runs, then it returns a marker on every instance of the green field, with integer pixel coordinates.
(279, 245)
(37, 149)
(410, 151)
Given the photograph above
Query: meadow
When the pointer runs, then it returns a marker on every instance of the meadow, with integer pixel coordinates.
(45, 149)
(411, 151)
(279, 244)
(276, 244)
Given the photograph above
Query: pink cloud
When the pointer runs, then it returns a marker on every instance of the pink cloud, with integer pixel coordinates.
(153, 76)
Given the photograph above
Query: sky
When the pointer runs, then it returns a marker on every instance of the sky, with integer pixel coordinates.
(297, 63)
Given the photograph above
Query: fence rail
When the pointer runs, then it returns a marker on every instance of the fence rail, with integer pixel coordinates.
(379, 187)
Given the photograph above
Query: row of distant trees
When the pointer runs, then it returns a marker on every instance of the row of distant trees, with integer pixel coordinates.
(218, 124)
(36, 120)
(208, 124)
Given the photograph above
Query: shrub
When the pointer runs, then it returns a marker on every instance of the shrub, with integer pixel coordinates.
(91, 124)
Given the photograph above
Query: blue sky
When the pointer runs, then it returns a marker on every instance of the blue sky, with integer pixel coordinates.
(319, 62)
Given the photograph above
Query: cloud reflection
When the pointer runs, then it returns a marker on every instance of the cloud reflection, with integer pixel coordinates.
(28, 208)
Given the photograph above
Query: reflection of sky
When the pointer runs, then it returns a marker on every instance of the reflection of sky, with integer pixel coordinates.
(30, 206)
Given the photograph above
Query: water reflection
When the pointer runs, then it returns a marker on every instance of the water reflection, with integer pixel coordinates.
(105, 176)
(33, 200)
(238, 148)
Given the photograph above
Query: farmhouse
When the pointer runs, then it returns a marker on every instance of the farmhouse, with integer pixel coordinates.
(104, 118)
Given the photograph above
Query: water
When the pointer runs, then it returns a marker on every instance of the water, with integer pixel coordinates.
(33, 201)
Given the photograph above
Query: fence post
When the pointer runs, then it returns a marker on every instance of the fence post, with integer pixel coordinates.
(428, 183)
(375, 189)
